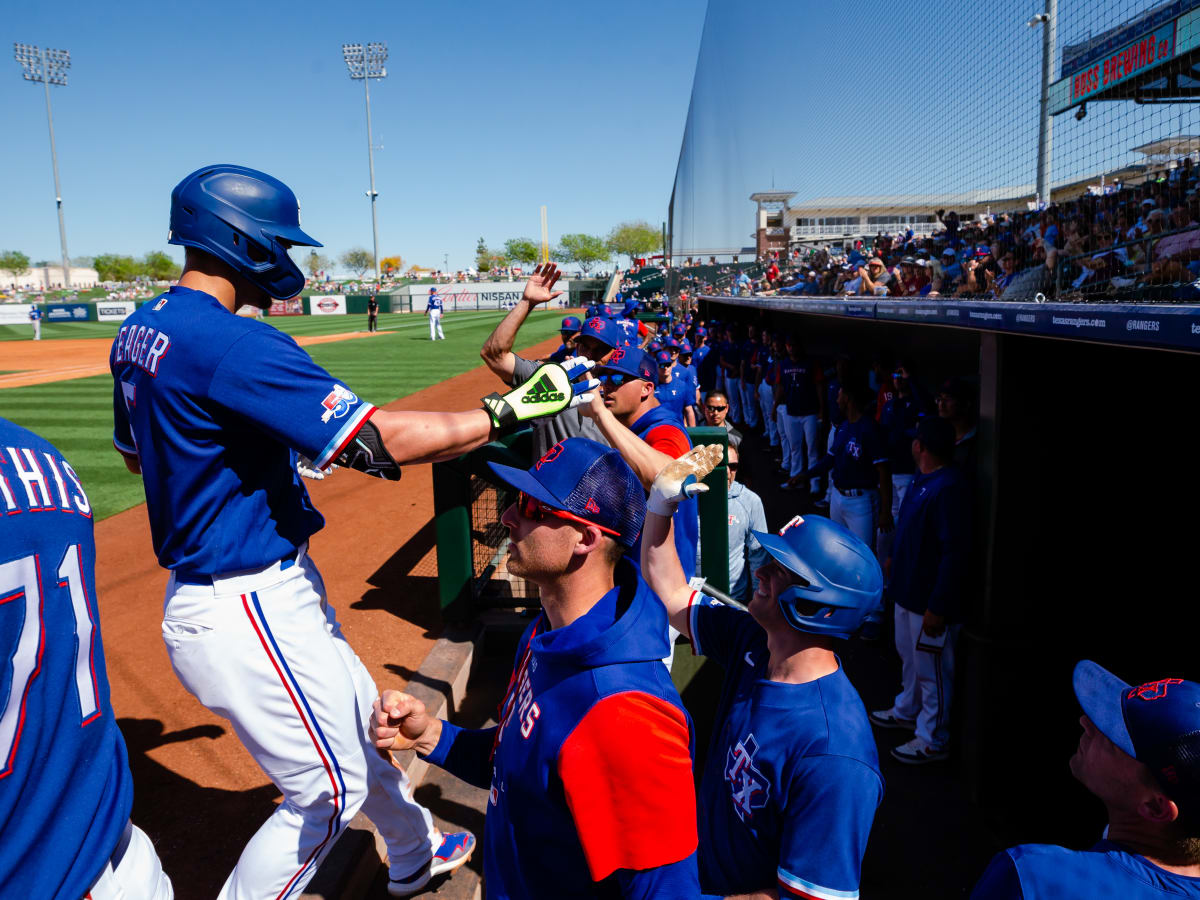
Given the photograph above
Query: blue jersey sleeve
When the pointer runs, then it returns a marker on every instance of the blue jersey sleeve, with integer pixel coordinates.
(1000, 880)
(718, 631)
(122, 430)
(829, 809)
(873, 448)
(465, 753)
(674, 880)
(266, 379)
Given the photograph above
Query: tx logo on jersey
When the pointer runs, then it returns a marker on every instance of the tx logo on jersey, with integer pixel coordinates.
(337, 403)
(1152, 690)
(543, 392)
(854, 448)
(747, 787)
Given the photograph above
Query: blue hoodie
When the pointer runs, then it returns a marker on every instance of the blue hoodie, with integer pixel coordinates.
(590, 768)
(687, 515)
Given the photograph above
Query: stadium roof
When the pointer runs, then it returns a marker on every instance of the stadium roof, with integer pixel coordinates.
(772, 196)
(1183, 143)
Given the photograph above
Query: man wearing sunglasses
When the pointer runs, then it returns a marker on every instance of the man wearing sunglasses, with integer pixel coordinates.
(590, 767)
(792, 781)
(648, 434)
(597, 338)
(716, 412)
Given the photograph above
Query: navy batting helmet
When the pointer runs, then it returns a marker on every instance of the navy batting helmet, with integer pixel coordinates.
(244, 218)
(843, 582)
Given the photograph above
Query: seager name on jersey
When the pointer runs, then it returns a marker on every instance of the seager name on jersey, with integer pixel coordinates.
(39, 482)
(143, 346)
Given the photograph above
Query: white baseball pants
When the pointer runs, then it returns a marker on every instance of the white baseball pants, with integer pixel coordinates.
(883, 540)
(435, 325)
(133, 871)
(750, 402)
(766, 399)
(859, 513)
(264, 650)
(927, 679)
(785, 445)
(802, 441)
(733, 387)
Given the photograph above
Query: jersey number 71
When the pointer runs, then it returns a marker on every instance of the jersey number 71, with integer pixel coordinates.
(20, 583)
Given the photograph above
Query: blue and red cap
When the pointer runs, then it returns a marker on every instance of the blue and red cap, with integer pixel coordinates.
(433, 290)
(663, 358)
(630, 361)
(591, 311)
(1157, 723)
(701, 332)
(684, 348)
(571, 324)
(983, 250)
(607, 310)
(654, 346)
(679, 330)
(588, 480)
(672, 344)
(602, 329)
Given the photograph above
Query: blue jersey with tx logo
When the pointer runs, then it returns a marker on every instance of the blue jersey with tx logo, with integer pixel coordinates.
(215, 406)
(65, 787)
(792, 780)
(434, 302)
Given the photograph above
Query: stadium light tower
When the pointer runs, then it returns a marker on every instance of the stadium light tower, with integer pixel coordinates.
(49, 67)
(1049, 22)
(366, 63)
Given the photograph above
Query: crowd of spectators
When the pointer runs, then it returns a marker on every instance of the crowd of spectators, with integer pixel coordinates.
(1123, 241)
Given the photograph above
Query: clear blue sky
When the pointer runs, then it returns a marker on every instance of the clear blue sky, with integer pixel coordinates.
(488, 111)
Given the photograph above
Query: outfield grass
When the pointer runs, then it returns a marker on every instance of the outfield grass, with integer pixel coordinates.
(77, 415)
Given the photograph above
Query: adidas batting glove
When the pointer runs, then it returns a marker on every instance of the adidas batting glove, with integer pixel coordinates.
(548, 391)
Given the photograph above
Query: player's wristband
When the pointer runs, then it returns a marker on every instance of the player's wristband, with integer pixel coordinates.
(546, 392)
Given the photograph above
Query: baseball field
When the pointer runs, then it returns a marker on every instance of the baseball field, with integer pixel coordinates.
(43, 390)
(197, 793)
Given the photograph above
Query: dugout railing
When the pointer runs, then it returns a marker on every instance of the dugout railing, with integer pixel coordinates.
(472, 543)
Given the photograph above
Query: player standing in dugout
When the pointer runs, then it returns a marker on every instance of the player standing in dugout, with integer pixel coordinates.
(211, 410)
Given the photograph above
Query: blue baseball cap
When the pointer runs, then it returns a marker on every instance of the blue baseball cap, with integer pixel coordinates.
(663, 358)
(630, 361)
(588, 480)
(630, 309)
(1157, 723)
(672, 344)
(433, 290)
(701, 332)
(607, 310)
(679, 330)
(571, 324)
(684, 348)
(602, 329)
(592, 311)
(654, 346)
(983, 250)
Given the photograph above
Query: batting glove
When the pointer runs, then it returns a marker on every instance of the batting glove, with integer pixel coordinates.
(680, 479)
(305, 467)
(549, 390)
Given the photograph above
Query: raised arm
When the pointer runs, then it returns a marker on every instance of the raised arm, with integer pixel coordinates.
(645, 461)
(497, 349)
(674, 483)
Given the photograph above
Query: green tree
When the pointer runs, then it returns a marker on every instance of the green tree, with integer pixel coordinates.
(483, 256)
(159, 266)
(116, 267)
(522, 250)
(584, 250)
(358, 261)
(14, 262)
(634, 239)
(316, 262)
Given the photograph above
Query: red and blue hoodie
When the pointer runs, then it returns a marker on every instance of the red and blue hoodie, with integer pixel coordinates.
(590, 768)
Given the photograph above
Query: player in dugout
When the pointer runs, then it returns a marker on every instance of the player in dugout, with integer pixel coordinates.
(590, 766)
(792, 781)
(1140, 755)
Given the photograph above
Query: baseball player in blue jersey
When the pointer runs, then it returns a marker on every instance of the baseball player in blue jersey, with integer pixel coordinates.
(35, 319)
(1140, 755)
(671, 393)
(65, 786)
(434, 309)
(211, 409)
(792, 781)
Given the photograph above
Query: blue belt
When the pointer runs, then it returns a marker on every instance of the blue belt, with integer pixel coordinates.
(184, 577)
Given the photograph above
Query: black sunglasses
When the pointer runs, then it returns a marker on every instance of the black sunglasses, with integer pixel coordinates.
(716, 408)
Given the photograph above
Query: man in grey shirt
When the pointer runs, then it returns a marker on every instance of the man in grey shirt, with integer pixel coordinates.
(596, 341)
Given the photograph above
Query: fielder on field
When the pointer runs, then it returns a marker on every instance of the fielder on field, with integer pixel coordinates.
(211, 409)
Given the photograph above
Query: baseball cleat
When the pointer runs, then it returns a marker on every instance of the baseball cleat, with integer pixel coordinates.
(887, 718)
(454, 850)
(917, 753)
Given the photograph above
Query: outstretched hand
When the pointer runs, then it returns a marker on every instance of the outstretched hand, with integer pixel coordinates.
(680, 479)
(583, 385)
(398, 721)
(540, 286)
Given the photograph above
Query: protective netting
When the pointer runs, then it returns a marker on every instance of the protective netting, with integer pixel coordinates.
(856, 129)
(493, 584)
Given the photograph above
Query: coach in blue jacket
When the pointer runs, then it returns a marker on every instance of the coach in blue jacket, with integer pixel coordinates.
(927, 579)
